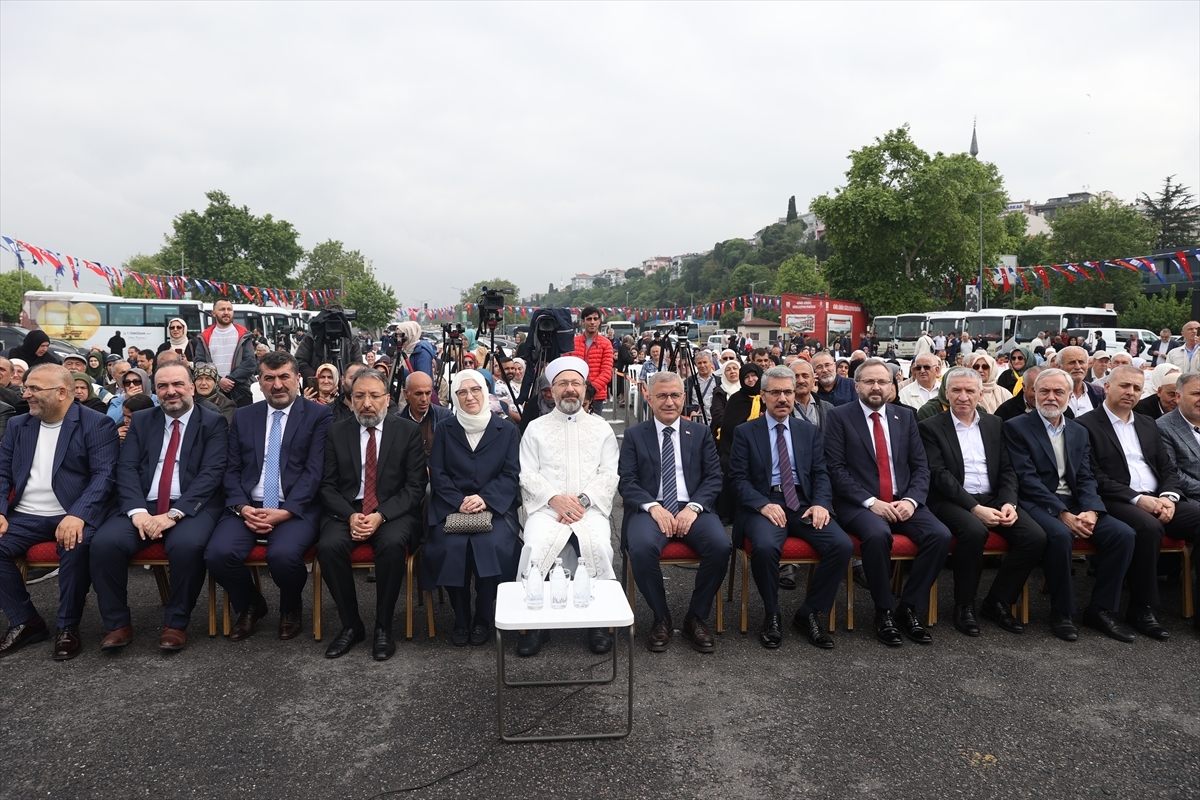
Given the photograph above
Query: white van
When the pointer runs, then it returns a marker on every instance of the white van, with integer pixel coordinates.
(1115, 339)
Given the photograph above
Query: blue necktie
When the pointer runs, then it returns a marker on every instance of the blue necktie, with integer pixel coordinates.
(271, 471)
(670, 492)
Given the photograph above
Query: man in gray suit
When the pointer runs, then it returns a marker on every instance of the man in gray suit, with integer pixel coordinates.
(1181, 434)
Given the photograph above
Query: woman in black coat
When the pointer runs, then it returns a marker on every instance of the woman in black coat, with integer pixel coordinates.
(474, 465)
(35, 350)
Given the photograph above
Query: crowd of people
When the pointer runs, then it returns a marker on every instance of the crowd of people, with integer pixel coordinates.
(738, 450)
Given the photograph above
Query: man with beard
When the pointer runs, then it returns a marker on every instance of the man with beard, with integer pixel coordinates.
(344, 408)
(831, 387)
(372, 491)
(276, 461)
(568, 477)
(1084, 396)
(169, 488)
(231, 348)
(1052, 459)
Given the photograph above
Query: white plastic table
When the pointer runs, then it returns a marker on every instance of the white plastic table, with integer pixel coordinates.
(609, 608)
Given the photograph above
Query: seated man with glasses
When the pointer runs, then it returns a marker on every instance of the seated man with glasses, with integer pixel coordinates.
(778, 471)
(925, 372)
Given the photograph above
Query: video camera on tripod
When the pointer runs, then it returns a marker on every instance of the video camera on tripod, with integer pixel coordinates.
(491, 309)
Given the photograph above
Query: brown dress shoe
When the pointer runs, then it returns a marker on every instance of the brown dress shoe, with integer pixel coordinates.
(18, 636)
(660, 635)
(66, 643)
(246, 620)
(698, 634)
(114, 640)
(172, 638)
(289, 624)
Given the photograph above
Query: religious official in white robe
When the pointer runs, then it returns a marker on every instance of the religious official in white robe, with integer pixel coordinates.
(568, 478)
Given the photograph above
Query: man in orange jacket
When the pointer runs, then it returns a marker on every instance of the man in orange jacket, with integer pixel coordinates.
(597, 351)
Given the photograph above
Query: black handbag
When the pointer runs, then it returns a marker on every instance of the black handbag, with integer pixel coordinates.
(480, 522)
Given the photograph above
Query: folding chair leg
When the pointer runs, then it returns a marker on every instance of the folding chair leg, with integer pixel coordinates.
(163, 579)
(849, 595)
(316, 576)
(629, 584)
(429, 612)
(1189, 607)
(226, 605)
(408, 610)
(23, 567)
(212, 605)
(720, 612)
(732, 569)
(933, 604)
(745, 588)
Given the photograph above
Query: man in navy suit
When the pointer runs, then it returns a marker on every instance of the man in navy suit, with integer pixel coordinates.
(169, 487)
(880, 482)
(1052, 459)
(56, 474)
(272, 482)
(777, 469)
(670, 475)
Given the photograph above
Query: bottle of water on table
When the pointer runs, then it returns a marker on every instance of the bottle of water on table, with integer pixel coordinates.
(535, 591)
(559, 584)
(582, 585)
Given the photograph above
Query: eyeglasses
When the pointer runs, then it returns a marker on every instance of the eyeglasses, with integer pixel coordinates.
(131, 383)
(779, 392)
(35, 389)
(982, 368)
(868, 383)
(673, 396)
(1016, 358)
(174, 327)
(474, 390)
(375, 398)
(923, 368)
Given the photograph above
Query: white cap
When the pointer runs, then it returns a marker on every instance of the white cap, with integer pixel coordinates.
(565, 364)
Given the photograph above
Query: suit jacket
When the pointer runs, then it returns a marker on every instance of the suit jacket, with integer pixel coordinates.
(850, 455)
(946, 469)
(1160, 349)
(1149, 407)
(750, 464)
(1108, 457)
(492, 470)
(640, 465)
(1183, 450)
(302, 458)
(400, 477)
(203, 454)
(1032, 458)
(85, 462)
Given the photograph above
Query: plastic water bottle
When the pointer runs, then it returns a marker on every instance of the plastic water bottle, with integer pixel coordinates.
(582, 585)
(559, 584)
(535, 591)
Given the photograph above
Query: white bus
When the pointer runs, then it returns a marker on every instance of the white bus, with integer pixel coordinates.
(945, 322)
(908, 330)
(885, 332)
(90, 320)
(1054, 319)
(269, 320)
(993, 327)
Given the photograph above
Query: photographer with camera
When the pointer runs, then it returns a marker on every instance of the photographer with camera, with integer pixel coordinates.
(330, 342)
(597, 351)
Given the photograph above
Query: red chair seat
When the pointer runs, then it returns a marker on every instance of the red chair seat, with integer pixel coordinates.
(995, 542)
(676, 550)
(1083, 546)
(903, 547)
(1173, 544)
(155, 552)
(362, 554)
(259, 553)
(793, 548)
(42, 553)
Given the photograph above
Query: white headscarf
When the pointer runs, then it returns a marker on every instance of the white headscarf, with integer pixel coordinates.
(473, 424)
(412, 330)
(730, 386)
(181, 342)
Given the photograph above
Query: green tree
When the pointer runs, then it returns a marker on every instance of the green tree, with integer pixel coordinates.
(13, 286)
(148, 265)
(1097, 231)
(791, 212)
(731, 319)
(906, 221)
(799, 275)
(471, 295)
(1174, 215)
(374, 303)
(329, 264)
(634, 272)
(1155, 312)
(751, 275)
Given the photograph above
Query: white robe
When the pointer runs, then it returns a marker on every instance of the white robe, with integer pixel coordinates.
(569, 455)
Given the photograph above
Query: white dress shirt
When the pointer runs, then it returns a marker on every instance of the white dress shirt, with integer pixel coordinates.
(1141, 478)
(257, 492)
(363, 438)
(152, 495)
(970, 441)
(1080, 404)
(680, 484)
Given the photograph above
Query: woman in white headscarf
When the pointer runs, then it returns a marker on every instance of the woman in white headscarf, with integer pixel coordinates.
(474, 466)
(993, 395)
(730, 383)
(191, 348)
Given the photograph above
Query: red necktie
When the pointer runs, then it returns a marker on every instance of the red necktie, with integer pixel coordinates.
(168, 470)
(881, 460)
(372, 466)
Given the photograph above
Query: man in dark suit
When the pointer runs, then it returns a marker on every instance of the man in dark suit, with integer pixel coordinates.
(1052, 459)
(1157, 353)
(56, 474)
(973, 489)
(169, 487)
(777, 468)
(880, 482)
(276, 461)
(1139, 486)
(373, 488)
(1181, 436)
(670, 475)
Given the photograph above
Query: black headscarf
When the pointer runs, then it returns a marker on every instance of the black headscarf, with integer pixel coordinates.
(27, 350)
(740, 406)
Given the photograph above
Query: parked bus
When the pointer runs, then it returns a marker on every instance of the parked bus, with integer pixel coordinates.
(908, 330)
(90, 320)
(992, 327)
(1054, 319)
(885, 332)
(271, 321)
(945, 322)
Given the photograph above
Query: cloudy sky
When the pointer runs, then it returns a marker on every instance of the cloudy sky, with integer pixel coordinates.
(460, 141)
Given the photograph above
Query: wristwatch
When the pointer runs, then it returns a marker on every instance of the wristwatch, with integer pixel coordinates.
(585, 501)
(699, 509)
(175, 515)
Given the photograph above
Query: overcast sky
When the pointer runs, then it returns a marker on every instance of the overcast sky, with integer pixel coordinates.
(455, 142)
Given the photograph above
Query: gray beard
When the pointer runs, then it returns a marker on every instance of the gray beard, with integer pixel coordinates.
(568, 406)
(1050, 414)
(369, 422)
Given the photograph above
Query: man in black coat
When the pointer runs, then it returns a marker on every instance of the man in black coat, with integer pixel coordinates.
(1139, 486)
(973, 489)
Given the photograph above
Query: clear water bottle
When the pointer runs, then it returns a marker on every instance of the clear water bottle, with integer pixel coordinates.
(559, 585)
(582, 585)
(535, 588)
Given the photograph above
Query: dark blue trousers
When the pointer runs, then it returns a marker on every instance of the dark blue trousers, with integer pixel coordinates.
(932, 539)
(24, 531)
(1113, 538)
(645, 544)
(232, 542)
(766, 542)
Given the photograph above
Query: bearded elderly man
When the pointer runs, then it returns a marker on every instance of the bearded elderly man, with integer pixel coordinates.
(1084, 396)
(831, 387)
(568, 478)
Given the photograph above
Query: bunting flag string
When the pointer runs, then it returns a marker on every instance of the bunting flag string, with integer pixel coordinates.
(1007, 278)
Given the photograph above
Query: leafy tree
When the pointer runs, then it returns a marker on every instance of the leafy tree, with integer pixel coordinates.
(1097, 231)
(13, 286)
(906, 221)
(791, 212)
(373, 302)
(1175, 216)
(799, 275)
(747, 275)
(471, 295)
(149, 265)
(731, 319)
(1155, 312)
(631, 273)
(329, 264)
(601, 283)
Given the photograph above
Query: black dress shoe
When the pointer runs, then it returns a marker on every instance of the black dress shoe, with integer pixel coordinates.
(885, 628)
(66, 643)
(696, 632)
(1063, 626)
(964, 620)
(860, 577)
(342, 643)
(244, 626)
(810, 626)
(660, 635)
(289, 624)
(460, 637)
(18, 636)
(384, 646)
(1144, 622)
(600, 641)
(772, 631)
(787, 577)
(999, 613)
(479, 634)
(1105, 622)
(530, 643)
(910, 623)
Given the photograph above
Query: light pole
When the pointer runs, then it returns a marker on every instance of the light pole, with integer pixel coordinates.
(980, 196)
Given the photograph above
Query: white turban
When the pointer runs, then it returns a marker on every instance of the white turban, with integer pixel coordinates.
(564, 364)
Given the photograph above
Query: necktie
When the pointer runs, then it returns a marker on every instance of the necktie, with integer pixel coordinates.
(670, 492)
(271, 470)
(787, 478)
(168, 470)
(370, 469)
(881, 460)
